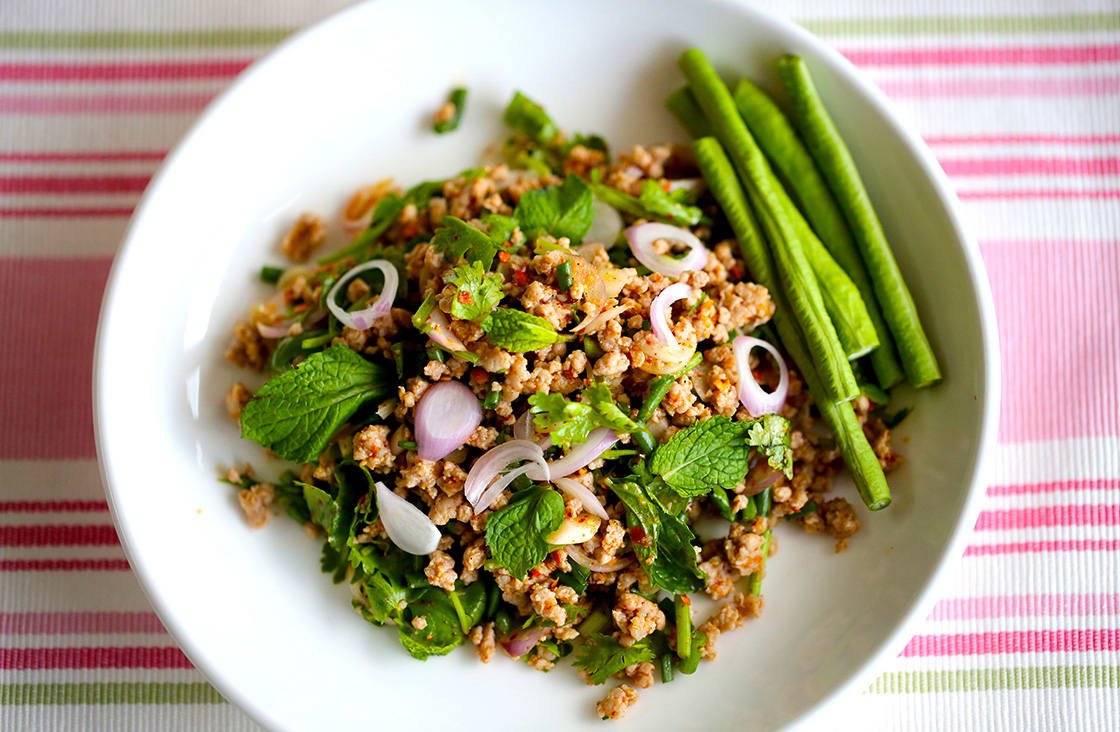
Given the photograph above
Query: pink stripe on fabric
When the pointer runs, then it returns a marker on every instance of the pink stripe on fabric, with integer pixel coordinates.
(80, 156)
(1024, 606)
(1046, 516)
(45, 407)
(988, 87)
(64, 565)
(1059, 486)
(1013, 641)
(121, 71)
(1040, 193)
(52, 506)
(1057, 303)
(76, 104)
(58, 535)
(1031, 166)
(1021, 139)
(984, 55)
(67, 623)
(78, 212)
(1043, 547)
(72, 184)
(27, 659)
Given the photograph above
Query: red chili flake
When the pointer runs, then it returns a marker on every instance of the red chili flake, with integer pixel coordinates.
(479, 375)
(534, 572)
(637, 533)
(686, 600)
(665, 186)
(410, 229)
(735, 272)
(503, 256)
(507, 244)
(520, 276)
(557, 556)
(464, 297)
(300, 308)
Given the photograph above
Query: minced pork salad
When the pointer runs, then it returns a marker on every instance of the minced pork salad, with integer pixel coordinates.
(541, 403)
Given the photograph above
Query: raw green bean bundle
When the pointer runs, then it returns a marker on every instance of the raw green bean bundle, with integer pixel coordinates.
(785, 150)
(839, 169)
(682, 105)
(860, 458)
(774, 208)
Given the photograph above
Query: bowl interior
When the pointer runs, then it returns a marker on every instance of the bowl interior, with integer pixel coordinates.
(348, 103)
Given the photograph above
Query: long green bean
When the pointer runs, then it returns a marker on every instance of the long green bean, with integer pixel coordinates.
(860, 458)
(842, 300)
(778, 139)
(683, 616)
(773, 206)
(835, 161)
(682, 105)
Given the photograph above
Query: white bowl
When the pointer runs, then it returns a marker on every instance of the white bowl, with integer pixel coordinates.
(348, 102)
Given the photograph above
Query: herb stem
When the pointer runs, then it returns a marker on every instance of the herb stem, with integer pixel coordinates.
(593, 623)
(719, 497)
(755, 586)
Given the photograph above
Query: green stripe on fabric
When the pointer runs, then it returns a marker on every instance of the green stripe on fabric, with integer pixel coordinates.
(989, 679)
(944, 25)
(110, 693)
(97, 40)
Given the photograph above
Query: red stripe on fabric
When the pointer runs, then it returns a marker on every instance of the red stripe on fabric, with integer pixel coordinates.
(1043, 547)
(79, 212)
(1040, 193)
(29, 659)
(1021, 139)
(71, 184)
(1059, 486)
(64, 565)
(1031, 166)
(984, 55)
(52, 506)
(1022, 606)
(78, 156)
(64, 623)
(58, 535)
(121, 71)
(970, 86)
(45, 405)
(1013, 641)
(1057, 304)
(1046, 516)
(74, 104)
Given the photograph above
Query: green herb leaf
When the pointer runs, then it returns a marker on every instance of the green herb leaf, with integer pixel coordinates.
(569, 423)
(518, 331)
(659, 202)
(564, 210)
(456, 238)
(442, 632)
(516, 534)
(384, 214)
(501, 228)
(296, 413)
(526, 116)
(458, 100)
(576, 578)
(478, 291)
(714, 452)
(321, 505)
(770, 434)
(602, 656)
(665, 546)
(382, 569)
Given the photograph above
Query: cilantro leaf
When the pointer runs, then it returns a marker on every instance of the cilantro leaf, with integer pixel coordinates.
(500, 227)
(661, 203)
(478, 291)
(518, 331)
(380, 570)
(516, 534)
(564, 210)
(569, 423)
(456, 238)
(296, 413)
(602, 656)
(770, 434)
(665, 543)
(714, 452)
(458, 100)
(526, 116)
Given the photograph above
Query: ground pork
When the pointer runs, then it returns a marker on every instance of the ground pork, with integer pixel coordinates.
(441, 570)
(371, 448)
(616, 702)
(636, 617)
(639, 674)
(236, 399)
(255, 502)
(482, 636)
(247, 349)
(307, 235)
(731, 615)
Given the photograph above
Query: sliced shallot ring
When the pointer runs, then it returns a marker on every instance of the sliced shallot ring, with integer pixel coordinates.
(592, 322)
(660, 307)
(598, 442)
(407, 526)
(494, 461)
(643, 236)
(574, 489)
(364, 318)
(605, 225)
(495, 489)
(439, 330)
(757, 401)
(279, 330)
(578, 556)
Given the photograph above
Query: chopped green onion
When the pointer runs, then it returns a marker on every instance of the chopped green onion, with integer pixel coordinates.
(719, 497)
(684, 626)
(458, 100)
(492, 398)
(420, 317)
(271, 275)
(666, 667)
(315, 342)
(564, 276)
(406, 444)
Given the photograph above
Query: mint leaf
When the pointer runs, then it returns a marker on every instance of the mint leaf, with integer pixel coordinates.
(526, 116)
(296, 413)
(706, 454)
(569, 423)
(456, 238)
(564, 210)
(518, 331)
(665, 542)
(516, 534)
(602, 656)
(770, 434)
(660, 203)
(322, 506)
(478, 291)
(501, 228)
(440, 635)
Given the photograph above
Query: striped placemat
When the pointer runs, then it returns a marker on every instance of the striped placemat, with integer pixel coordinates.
(1020, 101)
